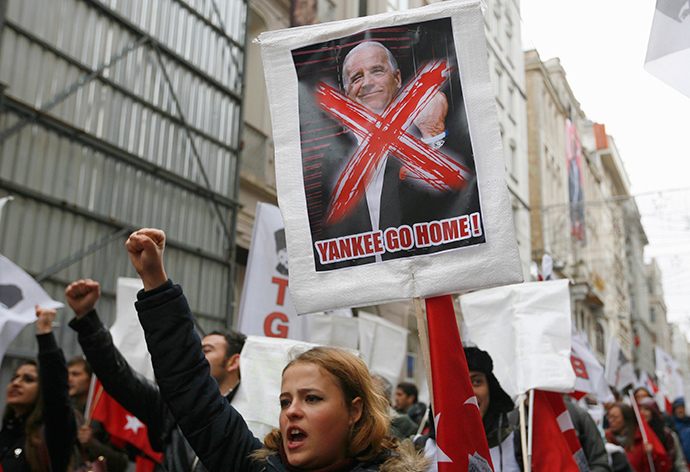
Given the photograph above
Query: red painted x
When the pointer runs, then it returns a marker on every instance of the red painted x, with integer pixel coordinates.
(387, 133)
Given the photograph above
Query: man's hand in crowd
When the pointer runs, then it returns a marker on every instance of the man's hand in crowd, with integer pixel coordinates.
(82, 296)
(44, 319)
(146, 248)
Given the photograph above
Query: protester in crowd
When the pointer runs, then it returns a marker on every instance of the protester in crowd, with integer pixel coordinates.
(651, 413)
(39, 428)
(331, 413)
(624, 431)
(139, 395)
(407, 401)
(642, 392)
(402, 425)
(93, 439)
(494, 404)
(682, 425)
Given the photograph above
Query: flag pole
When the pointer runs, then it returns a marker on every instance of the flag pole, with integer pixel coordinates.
(530, 430)
(89, 400)
(640, 425)
(523, 431)
(424, 343)
(94, 404)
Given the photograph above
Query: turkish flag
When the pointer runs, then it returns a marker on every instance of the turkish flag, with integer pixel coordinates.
(460, 433)
(555, 445)
(658, 454)
(122, 425)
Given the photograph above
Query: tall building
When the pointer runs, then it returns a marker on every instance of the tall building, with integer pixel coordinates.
(507, 70)
(661, 331)
(583, 216)
(116, 116)
(644, 334)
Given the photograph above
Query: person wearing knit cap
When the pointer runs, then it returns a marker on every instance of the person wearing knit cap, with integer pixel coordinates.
(494, 405)
(682, 424)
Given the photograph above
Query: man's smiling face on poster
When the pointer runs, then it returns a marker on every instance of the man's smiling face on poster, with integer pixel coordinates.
(369, 77)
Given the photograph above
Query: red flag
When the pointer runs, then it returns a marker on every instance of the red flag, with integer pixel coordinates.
(658, 455)
(556, 446)
(121, 424)
(459, 430)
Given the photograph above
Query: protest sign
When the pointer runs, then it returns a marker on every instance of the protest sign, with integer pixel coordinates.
(127, 333)
(589, 372)
(619, 370)
(527, 331)
(668, 373)
(389, 165)
(266, 308)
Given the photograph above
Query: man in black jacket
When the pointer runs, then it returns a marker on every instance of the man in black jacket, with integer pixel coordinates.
(139, 395)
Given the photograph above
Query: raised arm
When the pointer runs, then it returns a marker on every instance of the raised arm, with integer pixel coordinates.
(215, 430)
(58, 415)
(134, 392)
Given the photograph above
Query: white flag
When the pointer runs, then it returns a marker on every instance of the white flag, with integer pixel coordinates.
(526, 330)
(668, 52)
(589, 372)
(619, 370)
(266, 308)
(19, 295)
(668, 373)
(383, 345)
(4, 200)
(128, 335)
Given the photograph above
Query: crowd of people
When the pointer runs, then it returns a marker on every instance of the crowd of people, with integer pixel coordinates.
(334, 415)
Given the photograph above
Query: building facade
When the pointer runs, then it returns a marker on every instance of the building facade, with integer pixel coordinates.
(116, 116)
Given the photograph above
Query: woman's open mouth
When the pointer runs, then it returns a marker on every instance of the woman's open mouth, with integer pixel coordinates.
(295, 438)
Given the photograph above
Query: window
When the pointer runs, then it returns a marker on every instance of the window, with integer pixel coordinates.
(498, 83)
(512, 159)
(495, 27)
(510, 103)
(652, 315)
(509, 45)
(600, 338)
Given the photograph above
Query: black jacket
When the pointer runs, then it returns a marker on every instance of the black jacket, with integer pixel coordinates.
(136, 394)
(59, 423)
(213, 427)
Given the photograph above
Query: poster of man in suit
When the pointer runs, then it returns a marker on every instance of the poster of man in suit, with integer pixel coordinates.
(387, 159)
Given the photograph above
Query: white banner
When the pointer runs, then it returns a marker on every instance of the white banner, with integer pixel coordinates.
(526, 329)
(127, 333)
(383, 345)
(589, 372)
(266, 308)
(19, 295)
(619, 370)
(399, 193)
(668, 373)
(668, 52)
